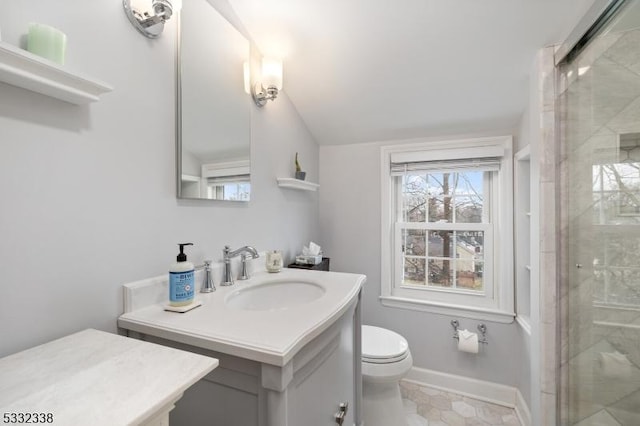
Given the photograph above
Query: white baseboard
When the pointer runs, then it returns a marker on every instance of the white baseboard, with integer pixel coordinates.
(494, 393)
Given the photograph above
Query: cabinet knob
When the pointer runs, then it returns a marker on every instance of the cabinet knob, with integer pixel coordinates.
(340, 415)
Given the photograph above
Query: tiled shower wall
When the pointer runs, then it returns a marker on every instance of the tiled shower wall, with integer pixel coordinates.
(599, 338)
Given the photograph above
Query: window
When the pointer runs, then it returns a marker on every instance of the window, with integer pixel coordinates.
(227, 180)
(446, 233)
(231, 188)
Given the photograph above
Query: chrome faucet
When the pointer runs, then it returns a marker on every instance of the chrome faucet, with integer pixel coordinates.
(228, 255)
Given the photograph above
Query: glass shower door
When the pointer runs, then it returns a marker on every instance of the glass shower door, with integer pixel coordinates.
(600, 127)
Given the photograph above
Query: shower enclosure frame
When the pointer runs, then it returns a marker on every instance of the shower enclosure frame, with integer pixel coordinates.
(596, 19)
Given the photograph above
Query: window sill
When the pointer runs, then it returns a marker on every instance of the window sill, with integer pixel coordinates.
(493, 315)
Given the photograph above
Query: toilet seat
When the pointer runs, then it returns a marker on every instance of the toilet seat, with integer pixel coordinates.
(382, 346)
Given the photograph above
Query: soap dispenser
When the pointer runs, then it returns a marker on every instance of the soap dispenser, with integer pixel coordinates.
(181, 280)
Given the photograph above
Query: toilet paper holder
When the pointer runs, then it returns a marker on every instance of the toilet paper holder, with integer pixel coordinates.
(482, 338)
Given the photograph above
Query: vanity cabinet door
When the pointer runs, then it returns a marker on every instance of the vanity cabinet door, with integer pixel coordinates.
(208, 403)
(316, 394)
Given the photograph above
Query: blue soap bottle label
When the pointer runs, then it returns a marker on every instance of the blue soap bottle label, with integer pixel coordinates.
(181, 286)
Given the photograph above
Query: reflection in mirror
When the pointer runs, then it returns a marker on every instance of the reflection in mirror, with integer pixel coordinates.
(214, 116)
(616, 215)
(616, 182)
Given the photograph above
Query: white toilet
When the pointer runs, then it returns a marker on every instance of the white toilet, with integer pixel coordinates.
(385, 360)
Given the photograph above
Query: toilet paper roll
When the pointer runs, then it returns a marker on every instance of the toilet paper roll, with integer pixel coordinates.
(467, 341)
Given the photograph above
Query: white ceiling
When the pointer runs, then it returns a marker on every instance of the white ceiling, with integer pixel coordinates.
(369, 70)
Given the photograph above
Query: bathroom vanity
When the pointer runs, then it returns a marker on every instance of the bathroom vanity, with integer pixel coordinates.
(96, 378)
(288, 345)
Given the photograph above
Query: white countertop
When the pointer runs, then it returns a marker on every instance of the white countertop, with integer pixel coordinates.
(271, 337)
(97, 378)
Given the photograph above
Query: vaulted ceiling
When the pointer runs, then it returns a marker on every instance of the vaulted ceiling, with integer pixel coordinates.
(370, 70)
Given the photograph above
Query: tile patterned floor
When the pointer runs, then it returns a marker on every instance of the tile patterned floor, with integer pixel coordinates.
(426, 406)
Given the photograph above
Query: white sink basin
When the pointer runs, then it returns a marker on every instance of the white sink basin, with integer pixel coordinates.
(274, 296)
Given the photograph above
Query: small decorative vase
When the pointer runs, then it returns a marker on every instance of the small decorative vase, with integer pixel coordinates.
(301, 175)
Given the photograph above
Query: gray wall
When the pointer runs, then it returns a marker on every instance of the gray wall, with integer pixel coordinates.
(350, 228)
(190, 164)
(88, 193)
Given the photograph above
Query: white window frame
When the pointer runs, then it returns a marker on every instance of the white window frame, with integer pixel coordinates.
(497, 302)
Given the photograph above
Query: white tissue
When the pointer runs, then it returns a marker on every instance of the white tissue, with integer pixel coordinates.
(467, 341)
(312, 250)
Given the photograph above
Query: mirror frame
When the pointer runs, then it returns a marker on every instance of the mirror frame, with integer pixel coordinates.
(179, 111)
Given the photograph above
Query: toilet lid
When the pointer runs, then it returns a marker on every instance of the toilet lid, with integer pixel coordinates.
(380, 345)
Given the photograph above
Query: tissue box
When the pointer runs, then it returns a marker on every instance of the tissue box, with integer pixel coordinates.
(308, 260)
(322, 266)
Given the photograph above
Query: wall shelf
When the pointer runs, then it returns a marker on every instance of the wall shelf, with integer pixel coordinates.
(302, 185)
(28, 71)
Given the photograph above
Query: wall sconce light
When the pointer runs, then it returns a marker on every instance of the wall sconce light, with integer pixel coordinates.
(151, 24)
(271, 82)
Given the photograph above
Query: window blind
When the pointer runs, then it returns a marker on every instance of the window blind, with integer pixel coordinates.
(228, 179)
(490, 164)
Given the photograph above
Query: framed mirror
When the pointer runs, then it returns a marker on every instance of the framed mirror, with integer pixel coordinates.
(214, 106)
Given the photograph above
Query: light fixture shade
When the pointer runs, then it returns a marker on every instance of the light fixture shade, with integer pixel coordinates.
(271, 73)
